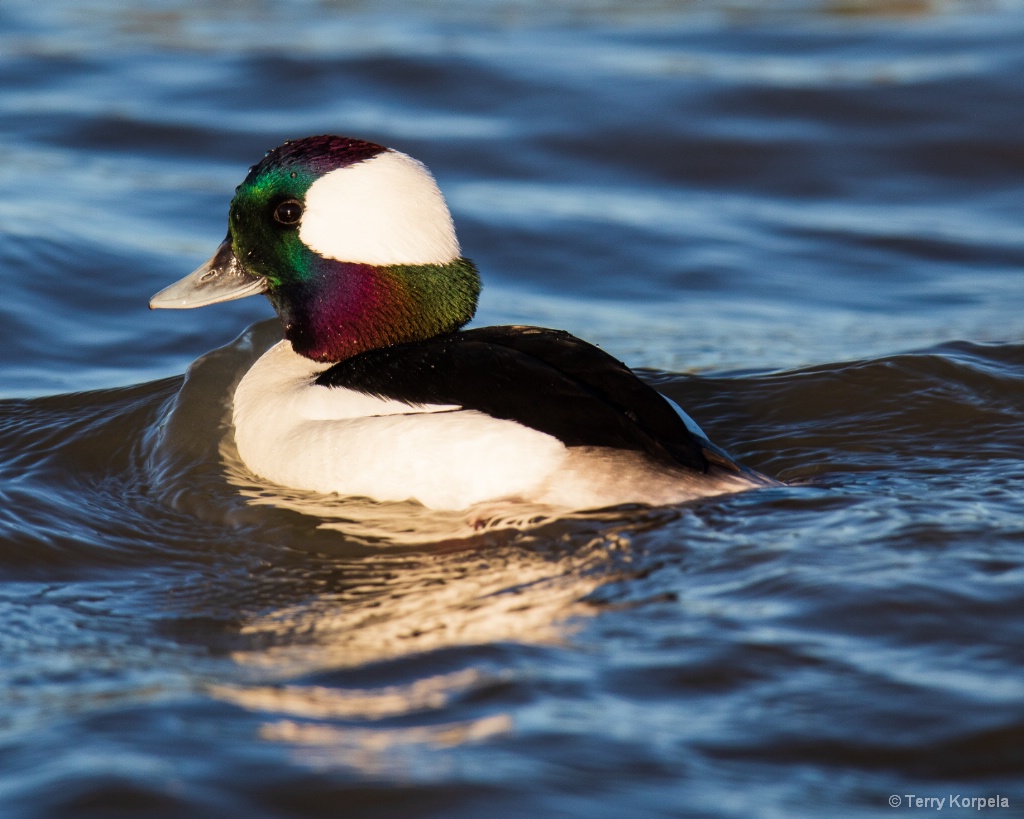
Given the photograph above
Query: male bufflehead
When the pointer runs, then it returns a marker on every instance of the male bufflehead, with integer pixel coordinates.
(375, 390)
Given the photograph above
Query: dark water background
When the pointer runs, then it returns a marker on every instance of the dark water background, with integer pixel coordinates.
(805, 222)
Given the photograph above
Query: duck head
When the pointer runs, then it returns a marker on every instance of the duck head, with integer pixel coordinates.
(352, 243)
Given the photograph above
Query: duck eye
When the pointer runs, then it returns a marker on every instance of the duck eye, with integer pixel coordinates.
(288, 212)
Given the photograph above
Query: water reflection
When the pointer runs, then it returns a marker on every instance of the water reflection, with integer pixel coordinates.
(318, 721)
(389, 606)
(323, 702)
(380, 752)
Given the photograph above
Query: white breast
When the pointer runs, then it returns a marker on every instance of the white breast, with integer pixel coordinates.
(327, 439)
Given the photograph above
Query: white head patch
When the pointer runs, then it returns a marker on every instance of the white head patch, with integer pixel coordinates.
(383, 210)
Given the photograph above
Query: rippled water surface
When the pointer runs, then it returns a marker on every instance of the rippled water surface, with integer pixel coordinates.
(804, 223)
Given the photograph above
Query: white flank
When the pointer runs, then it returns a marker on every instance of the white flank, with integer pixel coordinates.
(383, 210)
(326, 439)
(335, 440)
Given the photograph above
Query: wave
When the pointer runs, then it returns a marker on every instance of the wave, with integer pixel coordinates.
(116, 476)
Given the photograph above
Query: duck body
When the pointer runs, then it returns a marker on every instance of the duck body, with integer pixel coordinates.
(376, 392)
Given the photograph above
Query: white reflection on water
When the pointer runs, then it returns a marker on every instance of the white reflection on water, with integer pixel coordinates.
(401, 605)
(311, 719)
(391, 606)
(405, 753)
(322, 702)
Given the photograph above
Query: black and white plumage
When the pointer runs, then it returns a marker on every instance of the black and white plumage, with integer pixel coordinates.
(547, 380)
(375, 390)
(492, 413)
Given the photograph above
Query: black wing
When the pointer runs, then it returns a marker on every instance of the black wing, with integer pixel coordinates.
(548, 380)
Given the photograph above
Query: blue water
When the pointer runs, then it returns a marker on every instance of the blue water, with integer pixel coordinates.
(803, 221)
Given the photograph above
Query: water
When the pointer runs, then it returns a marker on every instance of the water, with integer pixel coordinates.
(804, 223)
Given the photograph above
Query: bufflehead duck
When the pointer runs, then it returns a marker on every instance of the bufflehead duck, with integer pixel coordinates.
(375, 390)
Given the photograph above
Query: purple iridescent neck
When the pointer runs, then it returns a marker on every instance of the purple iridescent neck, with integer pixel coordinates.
(340, 309)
